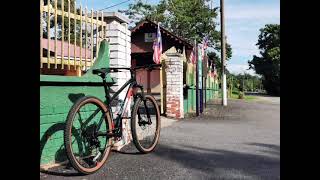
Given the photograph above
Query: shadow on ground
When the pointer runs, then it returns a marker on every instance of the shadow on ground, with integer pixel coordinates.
(215, 163)
(222, 163)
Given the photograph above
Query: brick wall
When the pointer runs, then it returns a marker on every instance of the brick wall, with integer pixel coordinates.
(174, 91)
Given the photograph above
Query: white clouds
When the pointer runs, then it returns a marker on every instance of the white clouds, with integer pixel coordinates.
(244, 47)
(252, 12)
(243, 20)
(240, 69)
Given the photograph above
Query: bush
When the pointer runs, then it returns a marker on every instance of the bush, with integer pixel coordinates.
(241, 95)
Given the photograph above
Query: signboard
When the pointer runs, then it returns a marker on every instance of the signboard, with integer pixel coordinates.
(149, 37)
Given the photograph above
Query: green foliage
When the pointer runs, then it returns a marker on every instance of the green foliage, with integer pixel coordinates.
(189, 19)
(244, 82)
(139, 10)
(241, 95)
(268, 63)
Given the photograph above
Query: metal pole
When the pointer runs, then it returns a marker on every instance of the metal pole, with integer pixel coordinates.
(197, 78)
(205, 91)
(223, 57)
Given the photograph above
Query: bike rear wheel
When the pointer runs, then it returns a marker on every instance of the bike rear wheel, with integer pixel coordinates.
(145, 133)
(86, 151)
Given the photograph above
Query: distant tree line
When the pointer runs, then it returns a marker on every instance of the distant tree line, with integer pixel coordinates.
(268, 63)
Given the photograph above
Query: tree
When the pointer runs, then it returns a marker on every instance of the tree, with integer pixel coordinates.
(138, 11)
(189, 19)
(244, 81)
(73, 33)
(268, 63)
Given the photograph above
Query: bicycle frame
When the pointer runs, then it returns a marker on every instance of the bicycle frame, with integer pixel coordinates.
(117, 122)
(133, 85)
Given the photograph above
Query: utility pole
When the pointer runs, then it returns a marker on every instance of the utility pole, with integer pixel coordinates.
(231, 86)
(243, 83)
(223, 55)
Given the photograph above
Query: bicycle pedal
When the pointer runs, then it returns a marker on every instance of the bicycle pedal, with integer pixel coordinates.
(111, 134)
(97, 156)
(125, 117)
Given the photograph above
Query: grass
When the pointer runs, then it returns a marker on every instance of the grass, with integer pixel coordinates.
(235, 95)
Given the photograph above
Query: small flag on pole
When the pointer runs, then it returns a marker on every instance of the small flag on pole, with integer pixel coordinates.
(192, 57)
(205, 42)
(157, 47)
(204, 45)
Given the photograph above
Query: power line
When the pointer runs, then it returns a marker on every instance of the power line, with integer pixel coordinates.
(114, 5)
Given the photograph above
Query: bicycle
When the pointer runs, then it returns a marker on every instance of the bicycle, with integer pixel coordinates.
(90, 126)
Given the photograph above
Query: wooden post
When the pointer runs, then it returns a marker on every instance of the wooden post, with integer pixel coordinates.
(80, 63)
(41, 33)
(97, 35)
(75, 37)
(69, 22)
(91, 57)
(55, 33)
(62, 35)
(86, 38)
(48, 34)
(79, 71)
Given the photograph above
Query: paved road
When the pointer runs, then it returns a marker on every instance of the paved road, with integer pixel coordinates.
(240, 141)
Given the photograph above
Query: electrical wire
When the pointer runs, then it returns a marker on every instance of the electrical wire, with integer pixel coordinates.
(114, 5)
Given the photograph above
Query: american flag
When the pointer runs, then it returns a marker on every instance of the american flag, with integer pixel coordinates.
(192, 57)
(157, 47)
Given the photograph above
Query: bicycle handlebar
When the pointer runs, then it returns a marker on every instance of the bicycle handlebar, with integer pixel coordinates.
(104, 71)
(148, 67)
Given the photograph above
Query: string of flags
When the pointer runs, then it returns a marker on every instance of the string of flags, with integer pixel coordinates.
(157, 51)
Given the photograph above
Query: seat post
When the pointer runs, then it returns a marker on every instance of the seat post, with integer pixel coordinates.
(133, 74)
(105, 86)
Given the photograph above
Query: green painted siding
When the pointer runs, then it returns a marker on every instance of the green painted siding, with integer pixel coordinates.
(190, 100)
(57, 95)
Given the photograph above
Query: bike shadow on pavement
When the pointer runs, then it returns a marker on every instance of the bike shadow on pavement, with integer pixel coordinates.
(60, 154)
(68, 171)
(61, 172)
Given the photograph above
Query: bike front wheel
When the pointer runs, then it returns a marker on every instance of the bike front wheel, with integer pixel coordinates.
(145, 124)
(86, 150)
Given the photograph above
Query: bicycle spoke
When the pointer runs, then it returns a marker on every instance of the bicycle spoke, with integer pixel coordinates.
(146, 124)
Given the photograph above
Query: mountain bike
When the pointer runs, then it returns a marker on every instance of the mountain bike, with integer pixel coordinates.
(91, 124)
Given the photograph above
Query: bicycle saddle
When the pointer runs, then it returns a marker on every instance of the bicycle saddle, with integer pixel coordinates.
(100, 71)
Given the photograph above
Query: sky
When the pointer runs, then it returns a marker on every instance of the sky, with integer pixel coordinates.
(243, 19)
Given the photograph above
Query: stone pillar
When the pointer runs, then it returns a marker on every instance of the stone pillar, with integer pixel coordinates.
(120, 56)
(174, 88)
(120, 52)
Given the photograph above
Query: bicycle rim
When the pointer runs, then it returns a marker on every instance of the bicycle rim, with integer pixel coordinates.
(87, 152)
(146, 135)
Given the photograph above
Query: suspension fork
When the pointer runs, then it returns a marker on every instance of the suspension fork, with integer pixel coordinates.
(147, 110)
(144, 103)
